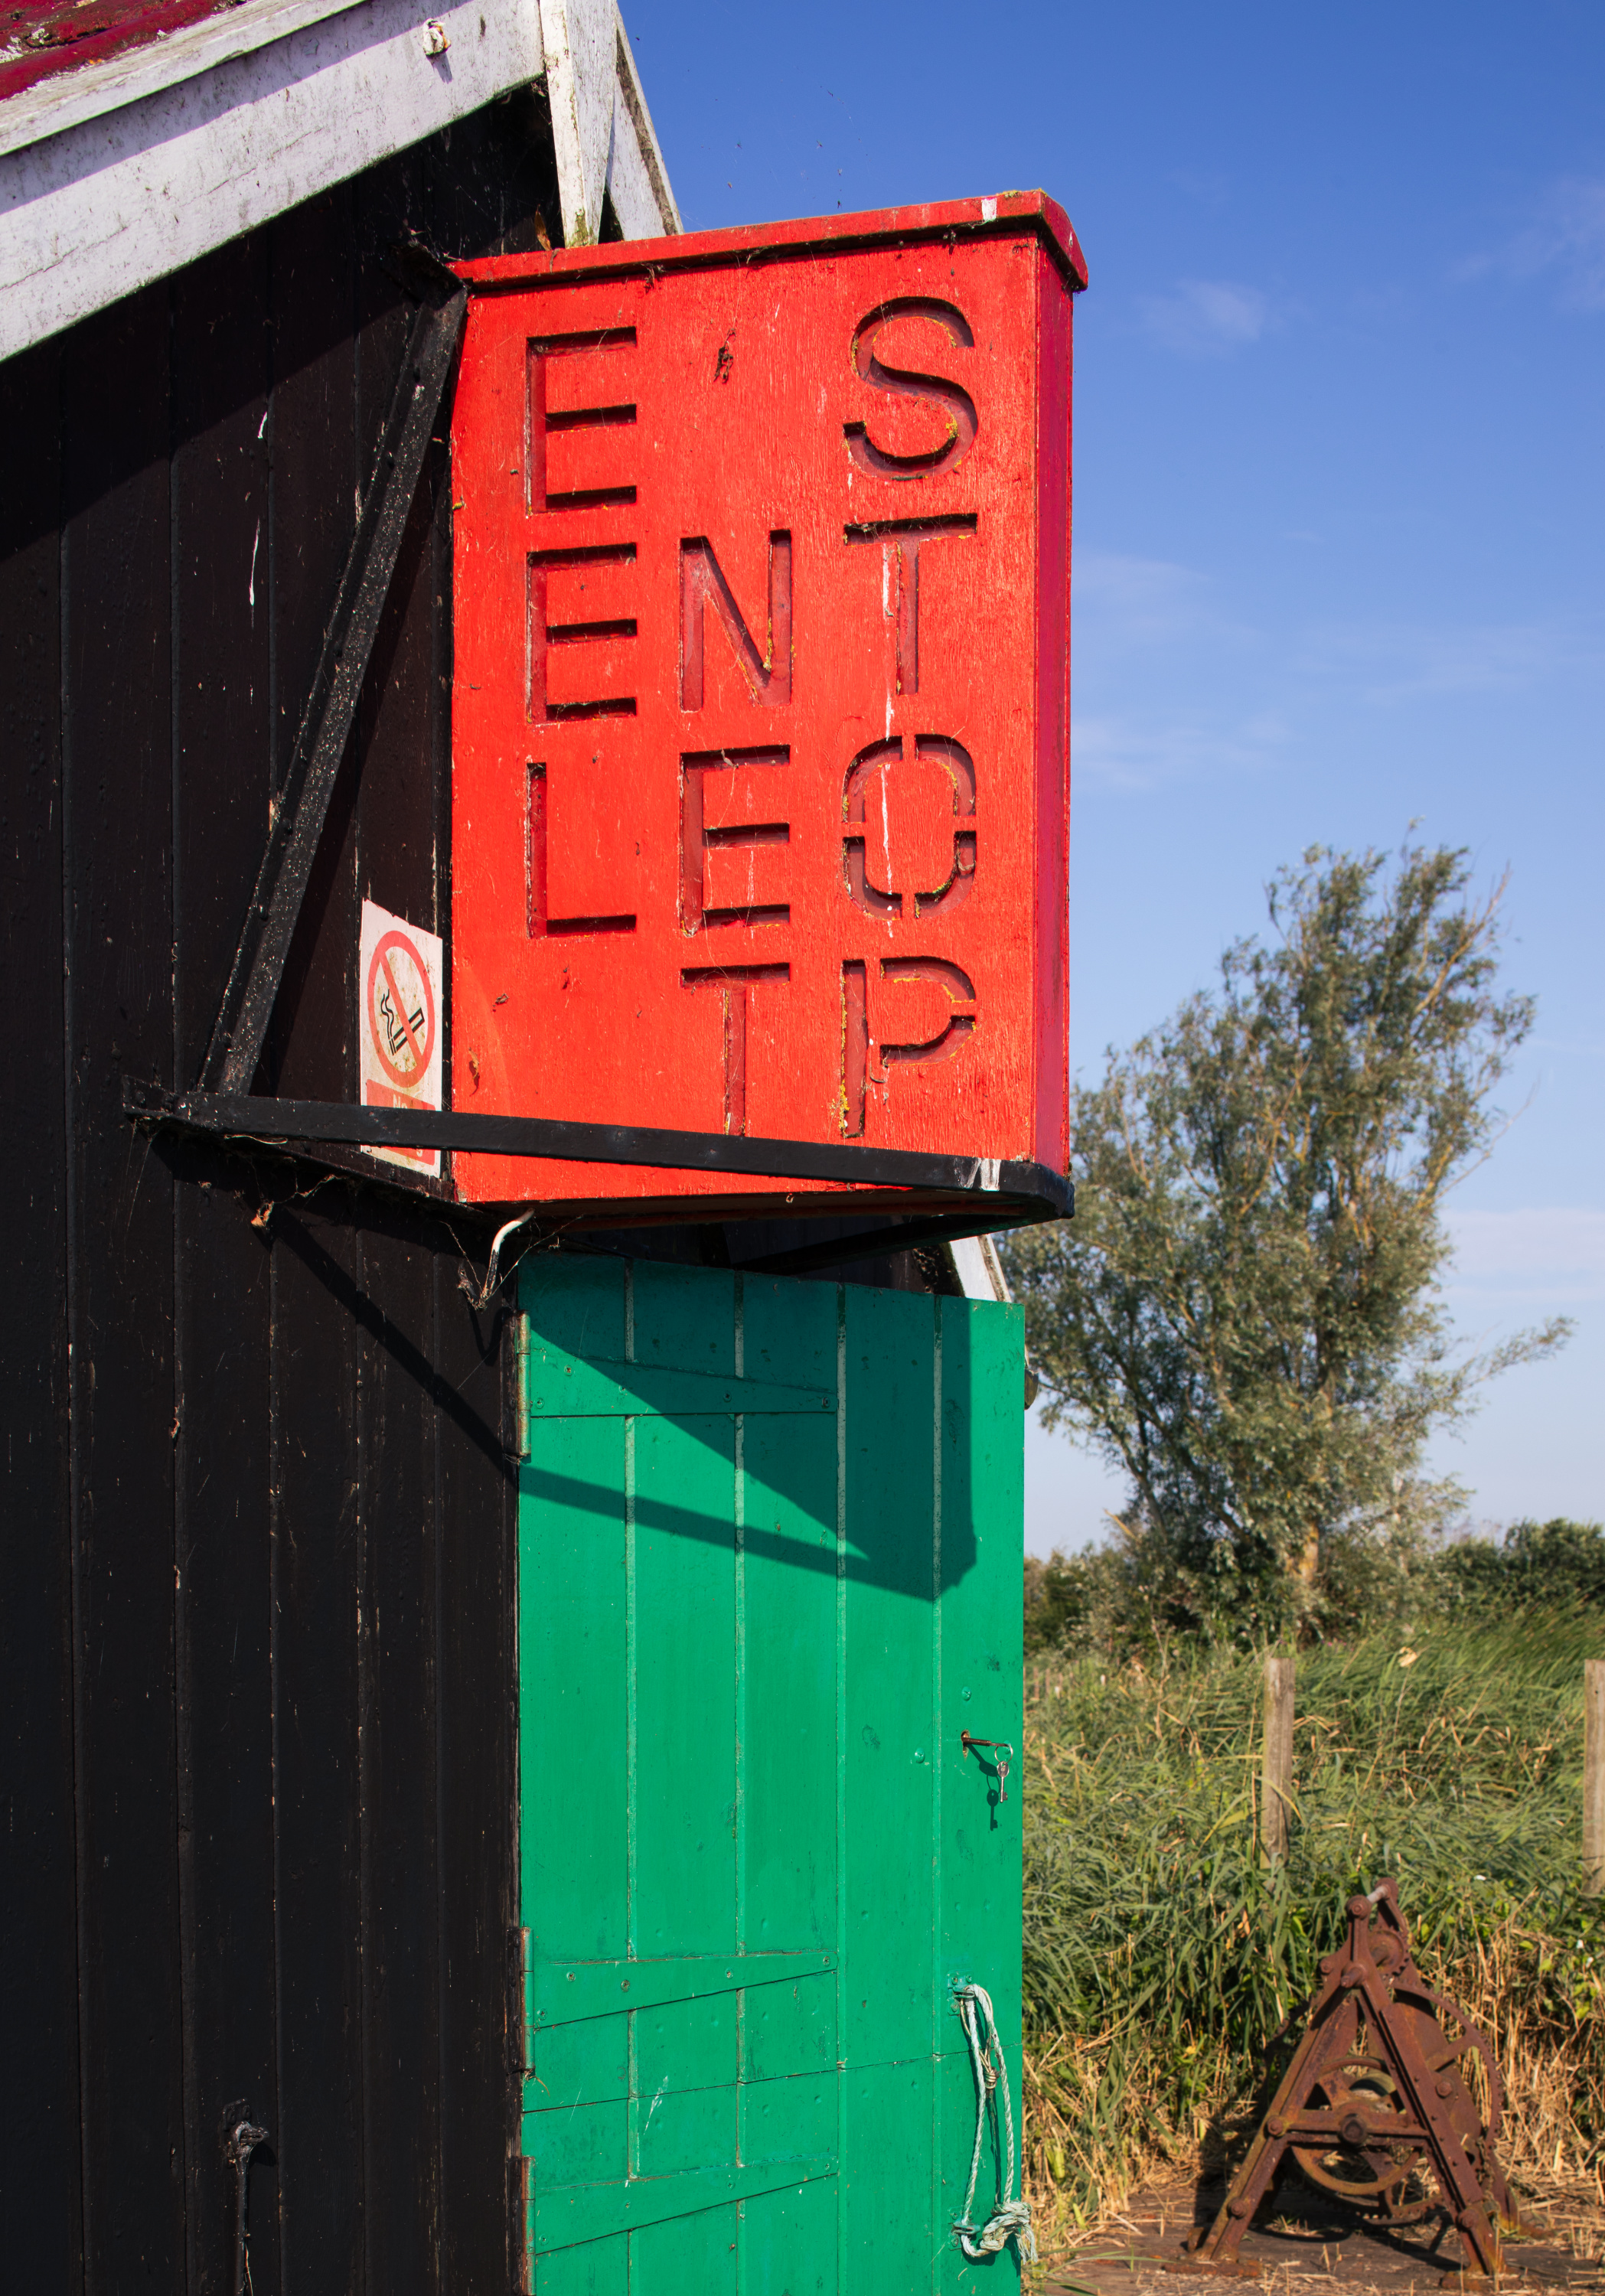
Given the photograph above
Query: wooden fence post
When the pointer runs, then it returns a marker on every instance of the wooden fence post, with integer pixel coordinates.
(1594, 1776)
(1276, 1777)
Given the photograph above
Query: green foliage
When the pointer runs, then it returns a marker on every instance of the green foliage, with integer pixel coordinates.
(1062, 1602)
(1242, 1313)
(1162, 1956)
(1537, 1563)
(1111, 1603)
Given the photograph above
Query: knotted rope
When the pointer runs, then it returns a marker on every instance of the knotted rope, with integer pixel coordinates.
(1010, 2218)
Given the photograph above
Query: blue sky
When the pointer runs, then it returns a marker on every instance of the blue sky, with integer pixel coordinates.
(1340, 510)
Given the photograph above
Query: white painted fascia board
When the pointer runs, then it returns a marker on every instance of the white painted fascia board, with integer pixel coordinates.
(638, 180)
(602, 131)
(579, 39)
(105, 208)
(67, 98)
(148, 174)
(979, 1270)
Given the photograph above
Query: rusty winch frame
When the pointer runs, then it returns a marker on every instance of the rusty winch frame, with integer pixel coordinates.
(1380, 2103)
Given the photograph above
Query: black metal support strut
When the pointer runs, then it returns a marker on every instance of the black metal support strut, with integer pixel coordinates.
(298, 824)
(1002, 1191)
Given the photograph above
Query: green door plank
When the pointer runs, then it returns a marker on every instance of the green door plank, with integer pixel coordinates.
(601, 2268)
(887, 2239)
(684, 1318)
(788, 2242)
(700, 2252)
(576, 2146)
(787, 1605)
(573, 1595)
(566, 2215)
(779, 2117)
(564, 1385)
(562, 1992)
(982, 1472)
(587, 2063)
(888, 1726)
(684, 1760)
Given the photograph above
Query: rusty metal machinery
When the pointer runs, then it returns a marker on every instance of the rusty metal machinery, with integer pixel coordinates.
(1392, 2101)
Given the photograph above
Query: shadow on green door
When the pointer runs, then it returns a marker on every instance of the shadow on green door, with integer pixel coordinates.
(769, 1571)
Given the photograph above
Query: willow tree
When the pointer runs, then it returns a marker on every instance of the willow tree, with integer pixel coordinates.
(1243, 1315)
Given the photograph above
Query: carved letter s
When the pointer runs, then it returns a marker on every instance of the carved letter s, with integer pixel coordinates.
(963, 421)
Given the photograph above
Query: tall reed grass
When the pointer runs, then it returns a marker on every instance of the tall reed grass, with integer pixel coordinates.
(1162, 1955)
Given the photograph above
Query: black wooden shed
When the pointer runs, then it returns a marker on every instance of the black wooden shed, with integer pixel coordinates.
(259, 1516)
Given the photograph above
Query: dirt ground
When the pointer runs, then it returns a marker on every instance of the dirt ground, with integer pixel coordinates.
(1308, 2247)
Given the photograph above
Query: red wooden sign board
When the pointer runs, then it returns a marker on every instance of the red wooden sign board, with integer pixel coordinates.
(760, 714)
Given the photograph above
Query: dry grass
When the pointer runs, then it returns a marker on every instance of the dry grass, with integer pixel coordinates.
(1162, 1958)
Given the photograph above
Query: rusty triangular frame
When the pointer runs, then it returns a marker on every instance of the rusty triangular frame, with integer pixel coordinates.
(1373, 1981)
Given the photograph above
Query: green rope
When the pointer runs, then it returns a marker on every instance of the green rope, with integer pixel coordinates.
(1010, 2218)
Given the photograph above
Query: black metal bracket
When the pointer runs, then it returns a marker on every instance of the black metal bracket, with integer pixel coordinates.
(1002, 1192)
(303, 806)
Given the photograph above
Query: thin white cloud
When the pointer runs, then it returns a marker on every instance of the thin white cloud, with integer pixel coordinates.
(1557, 1250)
(1122, 601)
(1123, 751)
(1565, 239)
(1206, 318)
(1397, 662)
(1220, 697)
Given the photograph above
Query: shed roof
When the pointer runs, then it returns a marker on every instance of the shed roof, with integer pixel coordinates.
(135, 135)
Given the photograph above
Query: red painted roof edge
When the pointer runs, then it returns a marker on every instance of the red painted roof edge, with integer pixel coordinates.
(977, 218)
(111, 30)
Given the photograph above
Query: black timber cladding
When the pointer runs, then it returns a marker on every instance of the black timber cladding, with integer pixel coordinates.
(256, 1609)
(257, 1574)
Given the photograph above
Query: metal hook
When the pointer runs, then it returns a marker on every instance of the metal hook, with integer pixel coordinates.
(999, 1746)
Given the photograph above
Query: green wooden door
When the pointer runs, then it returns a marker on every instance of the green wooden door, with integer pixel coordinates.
(769, 1572)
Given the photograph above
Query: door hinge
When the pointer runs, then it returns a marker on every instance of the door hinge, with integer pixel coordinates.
(520, 1338)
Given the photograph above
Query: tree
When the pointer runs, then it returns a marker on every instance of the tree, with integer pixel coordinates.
(1243, 1315)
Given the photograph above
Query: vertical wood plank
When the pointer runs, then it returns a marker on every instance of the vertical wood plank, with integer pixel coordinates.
(117, 772)
(1276, 1771)
(399, 1812)
(1594, 1776)
(222, 1559)
(572, 1598)
(683, 1813)
(318, 469)
(38, 1974)
(317, 1593)
(980, 1440)
(477, 1563)
(787, 1658)
(223, 605)
(888, 1754)
(981, 1437)
(887, 2237)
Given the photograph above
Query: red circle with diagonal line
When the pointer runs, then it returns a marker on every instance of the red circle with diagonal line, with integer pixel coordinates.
(401, 1011)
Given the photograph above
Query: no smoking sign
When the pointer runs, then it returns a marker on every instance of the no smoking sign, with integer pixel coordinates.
(398, 1023)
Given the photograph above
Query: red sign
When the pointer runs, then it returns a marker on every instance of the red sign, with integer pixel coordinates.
(760, 716)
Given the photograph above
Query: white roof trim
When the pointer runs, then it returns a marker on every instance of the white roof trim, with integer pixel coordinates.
(979, 1270)
(601, 127)
(125, 179)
